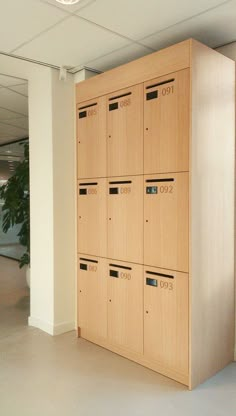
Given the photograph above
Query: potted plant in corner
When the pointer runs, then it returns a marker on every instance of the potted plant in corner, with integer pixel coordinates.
(16, 206)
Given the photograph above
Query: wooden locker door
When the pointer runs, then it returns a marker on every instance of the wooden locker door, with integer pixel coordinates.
(125, 305)
(91, 137)
(166, 123)
(166, 318)
(125, 132)
(125, 219)
(92, 217)
(166, 221)
(92, 296)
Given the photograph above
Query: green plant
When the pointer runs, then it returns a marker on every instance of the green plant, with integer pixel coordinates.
(16, 209)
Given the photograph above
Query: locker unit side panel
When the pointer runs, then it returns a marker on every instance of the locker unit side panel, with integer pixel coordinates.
(212, 213)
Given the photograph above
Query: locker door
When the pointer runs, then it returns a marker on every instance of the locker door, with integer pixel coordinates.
(92, 218)
(125, 219)
(166, 123)
(125, 305)
(92, 296)
(91, 136)
(166, 221)
(166, 318)
(125, 132)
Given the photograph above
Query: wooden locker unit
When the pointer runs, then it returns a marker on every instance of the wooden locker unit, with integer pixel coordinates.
(91, 138)
(166, 210)
(92, 296)
(166, 123)
(92, 217)
(124, 132)
(166, 318)
(125, 305)
(125, 218)
(166, 220)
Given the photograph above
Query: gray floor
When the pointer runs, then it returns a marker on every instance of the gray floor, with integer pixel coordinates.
(44, 375)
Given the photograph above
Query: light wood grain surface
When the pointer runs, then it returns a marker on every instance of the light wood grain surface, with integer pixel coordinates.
(166, 123)
(166, 221)
(91, 138)
(125, 132)
(212, 213)
(92, 217)
(159, 63)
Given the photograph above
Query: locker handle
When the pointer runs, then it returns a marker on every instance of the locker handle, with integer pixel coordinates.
(88, 184)
(168, 276)
(120, 267)
(119, 182)
(160, 180)
(88, 260)
(87, 106)
(160, 83)
(120, 96)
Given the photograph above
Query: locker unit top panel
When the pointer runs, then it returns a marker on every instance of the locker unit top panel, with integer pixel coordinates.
(171, 59)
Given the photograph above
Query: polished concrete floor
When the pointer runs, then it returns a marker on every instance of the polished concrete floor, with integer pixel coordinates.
(58, 376)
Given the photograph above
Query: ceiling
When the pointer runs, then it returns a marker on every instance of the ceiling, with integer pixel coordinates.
(13, 109)
(102, 34)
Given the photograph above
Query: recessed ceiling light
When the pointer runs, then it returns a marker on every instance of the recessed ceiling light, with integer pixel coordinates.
(68, 2)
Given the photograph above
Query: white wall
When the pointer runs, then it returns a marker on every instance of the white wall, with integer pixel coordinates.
(52, 201)
(230, 52)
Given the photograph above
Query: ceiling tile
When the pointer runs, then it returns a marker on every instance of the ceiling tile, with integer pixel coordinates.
(22, 20)
(9, 100)
(72, 8)
(72, 43)
(7, 115)
(22, 122)
(21, 89)
(7, 139)
(7, 81)
(119, 57)
(10, 131)
(214, 28)
(139, 18)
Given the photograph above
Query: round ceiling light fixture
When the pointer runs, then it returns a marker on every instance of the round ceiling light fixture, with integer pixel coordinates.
(68, 2)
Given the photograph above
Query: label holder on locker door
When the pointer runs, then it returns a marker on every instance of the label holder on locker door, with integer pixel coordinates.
(154, 94)
(115, 106)
(115, 273)
(116, 190)
(151, 190)
(84, 191)
(84, 266)
(83, 114)
(154, 282)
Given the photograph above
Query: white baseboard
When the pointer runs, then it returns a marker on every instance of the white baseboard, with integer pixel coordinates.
(63, 327)
(50, 328)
